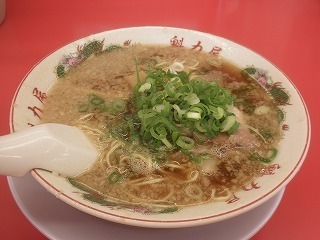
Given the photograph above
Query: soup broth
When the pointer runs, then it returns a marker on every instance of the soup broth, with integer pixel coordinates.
(102, 96)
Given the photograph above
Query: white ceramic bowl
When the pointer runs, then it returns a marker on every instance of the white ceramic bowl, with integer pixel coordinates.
(28, 102)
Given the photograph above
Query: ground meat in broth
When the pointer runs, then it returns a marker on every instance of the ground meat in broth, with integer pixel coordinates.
(112, 75)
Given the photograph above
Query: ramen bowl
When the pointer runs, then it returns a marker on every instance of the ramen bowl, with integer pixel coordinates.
(28, 103)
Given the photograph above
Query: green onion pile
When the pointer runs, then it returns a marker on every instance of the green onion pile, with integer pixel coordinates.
(176, 112)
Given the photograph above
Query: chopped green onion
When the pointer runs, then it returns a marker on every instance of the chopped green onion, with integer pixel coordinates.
(271, 156)
(158, 108)
(157, 98)
(194, 115)
(185, 142)
(234, 128)
(95, 100)
(158, 133)
(115, 177)
(197, 109)
(217, 112)
(178, 113)
(160, 158)
(192, 98)
(195, 159)
(167, 143)
(228, 123)
(144, 87)
(199, 126)
(120, 131)
(119, 105)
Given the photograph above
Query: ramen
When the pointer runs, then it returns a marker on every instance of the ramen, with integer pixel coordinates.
(174, 127)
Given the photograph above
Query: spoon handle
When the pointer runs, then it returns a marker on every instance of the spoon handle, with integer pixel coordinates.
(20, 151)
(54, 147)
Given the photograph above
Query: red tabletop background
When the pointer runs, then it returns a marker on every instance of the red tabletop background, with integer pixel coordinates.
(287, 32)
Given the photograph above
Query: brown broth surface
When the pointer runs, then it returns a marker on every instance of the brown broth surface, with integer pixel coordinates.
(229, 164)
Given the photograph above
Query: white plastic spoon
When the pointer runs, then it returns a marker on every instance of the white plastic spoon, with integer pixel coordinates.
(58, 148)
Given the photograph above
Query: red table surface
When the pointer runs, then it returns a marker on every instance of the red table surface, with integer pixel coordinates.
(287, 32)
